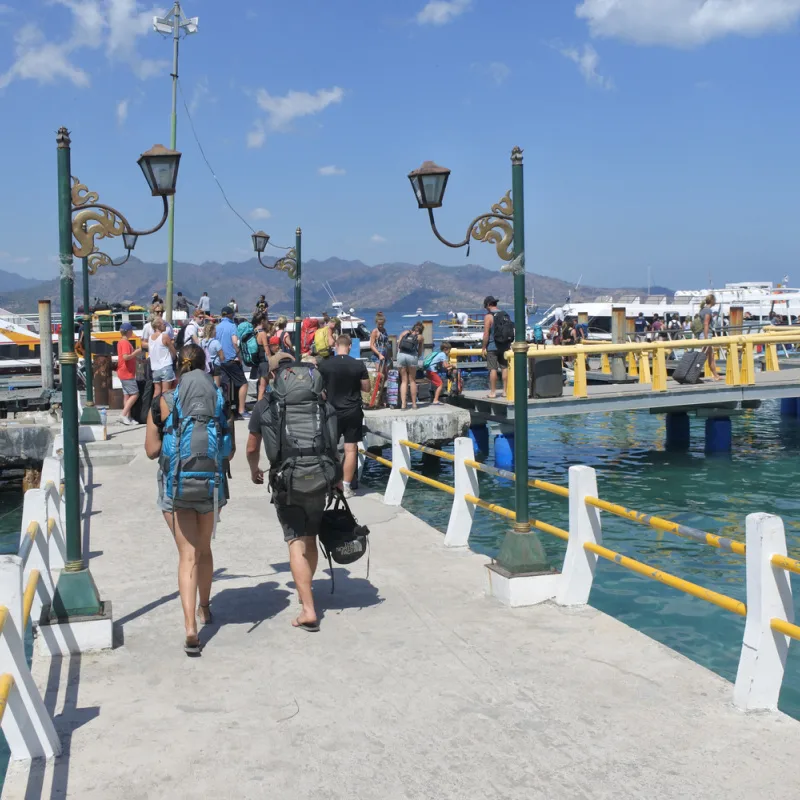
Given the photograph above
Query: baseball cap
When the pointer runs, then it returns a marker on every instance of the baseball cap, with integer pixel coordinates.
(126, 326)
(276, 360)
(489, 301)
(227, 311)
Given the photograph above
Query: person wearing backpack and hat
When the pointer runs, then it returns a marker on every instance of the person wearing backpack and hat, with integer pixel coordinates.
(498, 334)
(231, 367)
(191, 490)
(325, 338)
(304, 467)
(433, 364)
(409, 351)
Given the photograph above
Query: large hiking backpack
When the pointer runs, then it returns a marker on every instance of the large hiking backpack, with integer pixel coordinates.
(196, 442)
(503, 331)
(307, 331)
(248, 343)
(300, 435)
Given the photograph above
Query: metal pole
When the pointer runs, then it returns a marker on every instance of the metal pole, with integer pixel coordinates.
(521, 551)
(618, 371)
(90, 415)
(176, 31)
(75, 595)
(298, 305)
(46, 345)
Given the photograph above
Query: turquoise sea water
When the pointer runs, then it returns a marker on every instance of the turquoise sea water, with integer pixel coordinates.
(713, 493)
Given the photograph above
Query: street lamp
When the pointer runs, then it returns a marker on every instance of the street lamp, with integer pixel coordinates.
(291, 264)
(521, 551)
(81, 220)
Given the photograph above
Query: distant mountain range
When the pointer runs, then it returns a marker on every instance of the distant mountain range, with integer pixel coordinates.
(389, 287)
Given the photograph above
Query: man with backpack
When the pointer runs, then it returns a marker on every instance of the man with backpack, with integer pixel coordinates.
(498, 336)
(300, 435)
(231, 367)
(345, 378)
(434, 364)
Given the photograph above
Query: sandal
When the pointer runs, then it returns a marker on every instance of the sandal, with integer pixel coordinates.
(192, 646)
(208, 618)
(310, 627)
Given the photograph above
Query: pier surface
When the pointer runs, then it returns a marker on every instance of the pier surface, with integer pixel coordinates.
(635, 396)
(417, 686)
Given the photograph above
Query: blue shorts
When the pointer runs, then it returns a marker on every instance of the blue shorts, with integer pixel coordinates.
(163, 375)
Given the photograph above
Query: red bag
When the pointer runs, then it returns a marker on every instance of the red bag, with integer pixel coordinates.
(307, 330)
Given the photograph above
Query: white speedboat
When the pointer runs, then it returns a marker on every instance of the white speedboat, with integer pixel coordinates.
(419, 314)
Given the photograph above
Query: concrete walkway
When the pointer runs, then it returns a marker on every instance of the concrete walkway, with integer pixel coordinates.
(416, 687)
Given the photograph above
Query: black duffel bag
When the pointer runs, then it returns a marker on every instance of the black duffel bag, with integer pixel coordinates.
(341, 538)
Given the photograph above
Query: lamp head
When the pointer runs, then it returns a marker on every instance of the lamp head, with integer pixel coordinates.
(429, 183)
(160, 168)
(260, 240)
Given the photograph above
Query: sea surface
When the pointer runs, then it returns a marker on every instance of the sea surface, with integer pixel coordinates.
(712, 493)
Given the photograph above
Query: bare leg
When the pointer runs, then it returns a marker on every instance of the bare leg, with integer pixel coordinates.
(130, 401)
(205, 560)
(504, 378)
(493, 383)
(438, 393)
(157, 388)
(350, 462)
(403, 386)
(303, 557)
(412, 385)
(242, 398)
(712, 363)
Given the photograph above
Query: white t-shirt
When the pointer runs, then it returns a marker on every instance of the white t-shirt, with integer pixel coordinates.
(147, 332)
(192, 333)
(205, 303)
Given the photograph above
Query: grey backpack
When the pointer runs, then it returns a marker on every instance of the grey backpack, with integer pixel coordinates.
(300, 435)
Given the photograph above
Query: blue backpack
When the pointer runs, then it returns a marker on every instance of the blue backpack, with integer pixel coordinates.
(196, 442)
(248, 343)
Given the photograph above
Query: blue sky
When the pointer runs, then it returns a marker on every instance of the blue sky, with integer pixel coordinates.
(657, 133)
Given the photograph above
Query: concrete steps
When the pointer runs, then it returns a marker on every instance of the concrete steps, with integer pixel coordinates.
(109, 453)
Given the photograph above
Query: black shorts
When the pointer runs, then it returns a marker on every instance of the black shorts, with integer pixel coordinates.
(232, 373)
(304, 520)
(492, 362)
(351, 425)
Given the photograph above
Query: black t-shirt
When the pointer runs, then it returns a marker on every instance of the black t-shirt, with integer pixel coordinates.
(343, 376)
(254, 426)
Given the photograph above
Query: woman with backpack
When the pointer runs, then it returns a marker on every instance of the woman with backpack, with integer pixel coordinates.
(409, 351)
(212, 350)
(325, 337)
(706, 315)
(260, 370)
(191, 490)
(283, 335)
(162, 356)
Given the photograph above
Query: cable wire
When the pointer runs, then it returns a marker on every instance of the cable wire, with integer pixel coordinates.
(211, 169)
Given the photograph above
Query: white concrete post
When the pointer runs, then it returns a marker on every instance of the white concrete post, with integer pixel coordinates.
(56, 542)
(362, 459)
(577, 574)
(11, 587)
(401, 457)
(769, 595)
(28, 727)
(51, 471)
(34, 509)
(35, 555)
(466, 482)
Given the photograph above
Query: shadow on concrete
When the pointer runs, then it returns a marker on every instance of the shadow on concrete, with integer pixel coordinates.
(349, 592)
(247, 604)
(67, 722)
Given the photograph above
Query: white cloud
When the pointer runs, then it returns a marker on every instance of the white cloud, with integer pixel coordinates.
(281, 111)
(109, 25)
(122, 112)
(257, 136)
(331, 169)
(260, 213)
(201, 94)
(440, 12)
(587, 61)
(686, 23)
(377, 238)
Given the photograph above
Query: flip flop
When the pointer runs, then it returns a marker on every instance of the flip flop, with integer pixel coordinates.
(310, 627)
(192, 646)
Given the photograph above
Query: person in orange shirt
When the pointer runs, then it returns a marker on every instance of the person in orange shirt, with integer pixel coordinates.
(126, 371)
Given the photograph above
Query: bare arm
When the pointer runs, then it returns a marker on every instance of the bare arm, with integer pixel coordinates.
(487, 326)
(167, 342)
(365, 385)
(706, 324)
(373, 338)
(253, 458)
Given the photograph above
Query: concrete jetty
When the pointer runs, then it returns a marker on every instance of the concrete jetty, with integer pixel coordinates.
(417, 686)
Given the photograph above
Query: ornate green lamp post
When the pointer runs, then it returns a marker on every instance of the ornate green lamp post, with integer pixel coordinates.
(76, 594)
(292, 265)
(521, 551)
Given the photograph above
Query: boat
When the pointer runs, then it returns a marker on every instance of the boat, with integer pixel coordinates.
(419, 314)
(761, 302)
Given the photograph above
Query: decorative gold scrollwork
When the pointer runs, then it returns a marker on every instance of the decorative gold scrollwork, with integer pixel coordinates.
(81, 194)
(497, 231)
(97, 260)
(99, 224)
(288, 264)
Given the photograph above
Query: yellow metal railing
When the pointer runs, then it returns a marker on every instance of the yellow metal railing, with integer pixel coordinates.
(721, 600)
(545, 527)
(553, 488)
(379, 459)
(784, 627)
(784, 562)
(442, 487)
(27, 597)
(429, 450)
(6, 685)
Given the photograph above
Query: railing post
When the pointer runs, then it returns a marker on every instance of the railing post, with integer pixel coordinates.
(769, 595)
(577, 574)
(644, 367)
(748, 374)
(659, 370)
(466, 482)
(732, 374)
(56, 543)
(579, 366)
(401, 457)
(11, 587)
(39, 558)
(27, 724)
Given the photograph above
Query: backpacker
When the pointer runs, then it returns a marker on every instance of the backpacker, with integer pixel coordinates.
(206, 344)
(697, 326)
(426, 364)
(180, 338)
(503, 331)
(248, 343)
(538, 334)
(409, 344)
(320, 346)
(307, 331)
(341, 538)
(196, 442)
(300, 435)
